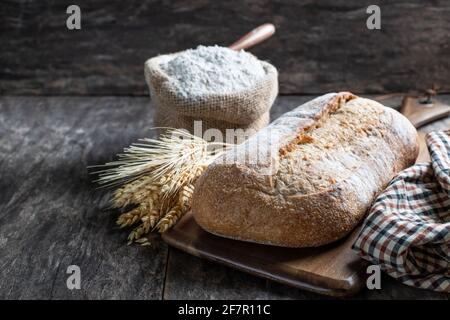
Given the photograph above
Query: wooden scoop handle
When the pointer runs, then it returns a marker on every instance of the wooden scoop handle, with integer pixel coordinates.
(254, 37)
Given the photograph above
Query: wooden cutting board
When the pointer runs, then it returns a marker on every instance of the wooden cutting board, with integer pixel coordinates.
(333, 269)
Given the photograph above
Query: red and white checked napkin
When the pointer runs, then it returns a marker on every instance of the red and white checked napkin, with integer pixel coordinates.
(407, 231)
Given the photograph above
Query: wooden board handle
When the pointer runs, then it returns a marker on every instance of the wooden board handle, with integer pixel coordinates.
(420, 114)
(254, 37)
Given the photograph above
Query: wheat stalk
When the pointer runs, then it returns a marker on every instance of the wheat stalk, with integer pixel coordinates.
(157, 176)
(133, 192)
(183, 205)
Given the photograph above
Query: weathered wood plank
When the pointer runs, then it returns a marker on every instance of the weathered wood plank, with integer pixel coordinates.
(318, 46)
(50, 215)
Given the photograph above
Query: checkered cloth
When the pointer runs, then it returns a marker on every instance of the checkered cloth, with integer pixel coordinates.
(407, 231)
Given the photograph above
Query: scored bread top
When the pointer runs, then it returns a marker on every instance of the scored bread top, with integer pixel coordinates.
(314, 146)
(333, 152)
(308, 178)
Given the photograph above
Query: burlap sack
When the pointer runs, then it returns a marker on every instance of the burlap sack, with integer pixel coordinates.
(247, 109)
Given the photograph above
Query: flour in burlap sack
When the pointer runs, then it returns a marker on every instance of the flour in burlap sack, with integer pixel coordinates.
(224, 89)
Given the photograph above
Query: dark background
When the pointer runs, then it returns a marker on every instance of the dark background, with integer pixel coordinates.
(319, 46)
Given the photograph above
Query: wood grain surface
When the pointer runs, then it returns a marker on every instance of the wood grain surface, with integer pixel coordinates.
(319, 46)
(333, 270)
(51, 216)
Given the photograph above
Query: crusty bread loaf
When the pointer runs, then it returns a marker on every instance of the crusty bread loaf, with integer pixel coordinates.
(322, 165)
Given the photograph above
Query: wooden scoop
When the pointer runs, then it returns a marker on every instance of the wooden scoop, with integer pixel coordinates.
(254, 37)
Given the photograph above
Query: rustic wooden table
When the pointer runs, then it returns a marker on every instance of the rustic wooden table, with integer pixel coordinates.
(51, 215)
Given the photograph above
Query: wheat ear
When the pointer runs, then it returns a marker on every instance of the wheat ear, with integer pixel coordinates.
(183, 205)
(157, 176)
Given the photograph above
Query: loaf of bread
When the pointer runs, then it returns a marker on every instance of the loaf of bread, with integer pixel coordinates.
(309, 177)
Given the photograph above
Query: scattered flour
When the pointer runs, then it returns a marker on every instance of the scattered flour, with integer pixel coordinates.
(205, 70)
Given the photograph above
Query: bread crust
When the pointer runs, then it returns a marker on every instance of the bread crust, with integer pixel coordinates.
(281, 206)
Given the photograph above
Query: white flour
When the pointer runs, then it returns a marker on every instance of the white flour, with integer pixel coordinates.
(205, 70)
